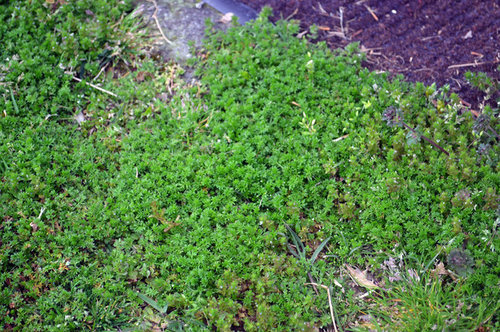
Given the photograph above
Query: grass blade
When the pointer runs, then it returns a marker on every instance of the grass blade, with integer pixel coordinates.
(153, 303)
(318, 250)
(436, 256)
(14, 101)
(296, 240)
(292, 251)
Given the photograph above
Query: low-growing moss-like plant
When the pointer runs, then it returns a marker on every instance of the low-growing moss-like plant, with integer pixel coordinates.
(460, 262)
(184, 194)
(382, 189)
(394, 116)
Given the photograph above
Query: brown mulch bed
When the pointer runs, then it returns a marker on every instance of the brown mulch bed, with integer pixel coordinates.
(425, 40)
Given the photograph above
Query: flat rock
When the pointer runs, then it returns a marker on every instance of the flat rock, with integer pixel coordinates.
(184, 21)
(241, 11)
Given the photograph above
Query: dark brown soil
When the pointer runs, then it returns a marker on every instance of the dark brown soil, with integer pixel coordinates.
(425, 40)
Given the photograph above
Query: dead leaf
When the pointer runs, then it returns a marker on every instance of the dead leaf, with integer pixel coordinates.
(55, 3)
(440, 270)
(391, 263)
(339, 285)
(413, 275)
(163, 96)
(302, 34)
(476, 113)
(393, 269)
(34, 226)
(227, 18)
(80, 118)
(336, 34)
(170, 227)
(360, 278)
(366, 318)
(142, 75)
(173, 224)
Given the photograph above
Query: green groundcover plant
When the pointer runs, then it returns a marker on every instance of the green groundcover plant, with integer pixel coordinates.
(217, 206)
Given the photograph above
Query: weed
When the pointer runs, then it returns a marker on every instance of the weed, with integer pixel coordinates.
(300, 251)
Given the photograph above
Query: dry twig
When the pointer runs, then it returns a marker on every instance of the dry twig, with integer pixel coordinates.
(341, 12)
(372, 13)
(340, 138)
(313, 282)
(96, 87)
(322, 11)
(100, 72)
(155, 17)
(329, 302)
(292, 14)
(473, 64)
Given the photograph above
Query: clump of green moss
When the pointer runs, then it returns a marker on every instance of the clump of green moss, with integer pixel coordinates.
(190, 202)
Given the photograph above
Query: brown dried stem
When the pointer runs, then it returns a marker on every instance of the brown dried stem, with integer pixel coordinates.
(434, 144)
(329, 302)
(155, 17)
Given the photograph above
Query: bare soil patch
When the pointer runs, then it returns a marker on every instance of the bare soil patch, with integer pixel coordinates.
(425, 40)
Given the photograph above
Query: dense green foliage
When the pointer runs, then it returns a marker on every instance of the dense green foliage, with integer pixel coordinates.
(41, 40)
(187, 202)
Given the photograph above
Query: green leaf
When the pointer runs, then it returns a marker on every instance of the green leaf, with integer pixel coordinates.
(292, 251)
(14, 101)
(297, 242)
(318, 250)
(153, 303)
